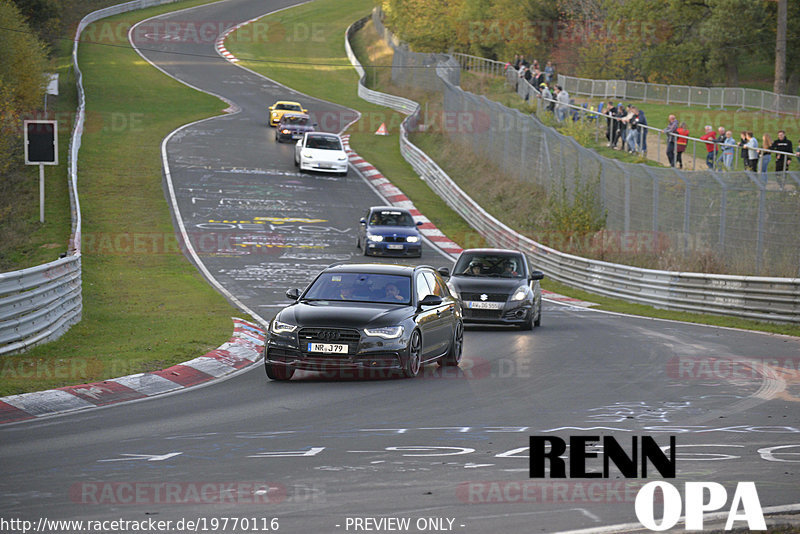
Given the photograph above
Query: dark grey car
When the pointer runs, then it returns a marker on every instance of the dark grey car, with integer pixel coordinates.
(497, 286)
(366, 317)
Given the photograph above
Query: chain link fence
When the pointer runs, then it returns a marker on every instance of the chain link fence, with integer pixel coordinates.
(728, 215)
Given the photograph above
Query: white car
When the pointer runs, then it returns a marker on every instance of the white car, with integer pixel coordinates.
(320, 151)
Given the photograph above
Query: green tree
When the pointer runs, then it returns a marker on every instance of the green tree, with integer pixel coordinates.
(22, 80)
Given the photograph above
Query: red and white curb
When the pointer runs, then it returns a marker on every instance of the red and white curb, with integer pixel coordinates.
(549, 295)
(220, 42)
(395, 197)
(244, 348)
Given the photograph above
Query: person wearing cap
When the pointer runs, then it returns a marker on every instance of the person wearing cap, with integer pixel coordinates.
(546, 96)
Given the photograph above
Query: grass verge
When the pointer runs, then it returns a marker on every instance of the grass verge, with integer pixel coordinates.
(145, 305)
(291, 62)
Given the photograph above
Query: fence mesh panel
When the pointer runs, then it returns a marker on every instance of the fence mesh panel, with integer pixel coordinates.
(726, 217)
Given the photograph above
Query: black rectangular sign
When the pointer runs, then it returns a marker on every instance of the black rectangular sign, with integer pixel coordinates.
(41, 142)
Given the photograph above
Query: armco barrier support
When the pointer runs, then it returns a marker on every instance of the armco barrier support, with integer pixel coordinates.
(750, 297)
(41, 303)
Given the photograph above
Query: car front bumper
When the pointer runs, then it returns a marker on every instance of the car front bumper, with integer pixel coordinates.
(378, 355)
(323, 166)
(381, 248)
(511, 313)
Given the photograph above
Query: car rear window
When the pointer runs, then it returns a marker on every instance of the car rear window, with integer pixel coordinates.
(323, 142)
(288, 107)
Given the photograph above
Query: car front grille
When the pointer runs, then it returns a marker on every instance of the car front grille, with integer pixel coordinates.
(394, 239)
(342, 336)
(490, 297)
(481, 314)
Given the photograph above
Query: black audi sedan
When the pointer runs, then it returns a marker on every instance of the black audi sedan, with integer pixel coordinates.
(497, 286)
(366, 317)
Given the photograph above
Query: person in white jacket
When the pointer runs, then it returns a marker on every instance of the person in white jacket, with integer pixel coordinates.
(562, 98)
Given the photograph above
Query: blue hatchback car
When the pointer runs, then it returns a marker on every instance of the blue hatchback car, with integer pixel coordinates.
(389, 231)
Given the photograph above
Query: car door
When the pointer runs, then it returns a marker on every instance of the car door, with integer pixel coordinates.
(427, 319)
(445, 312)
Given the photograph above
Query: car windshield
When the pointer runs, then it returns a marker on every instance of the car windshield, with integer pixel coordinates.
(391, 218)
(294, 120)
(492, 265)
(361, 287)
(323, 142)
(288, 107)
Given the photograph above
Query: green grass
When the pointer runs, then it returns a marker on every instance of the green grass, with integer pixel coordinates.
(145, 305)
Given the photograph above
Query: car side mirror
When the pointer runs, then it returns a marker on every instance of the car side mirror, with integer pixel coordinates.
(293, 294)
(363, 221)
(271, 108)
(420, 223)
(305, 111)
(537, 275)
(444, 272)
(431, 300)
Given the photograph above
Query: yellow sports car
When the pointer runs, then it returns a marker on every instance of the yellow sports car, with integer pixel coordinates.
(280, 107)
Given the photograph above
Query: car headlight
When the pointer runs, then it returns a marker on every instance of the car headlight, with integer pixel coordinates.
(386, 332)
(376, 238)
(520, 293)
(274, 113)
(277, 327)
(285, 131)
(412, 239)
(307, 155)
(342, 158)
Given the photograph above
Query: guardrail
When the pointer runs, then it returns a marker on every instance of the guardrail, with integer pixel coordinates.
(40, 304)
(759, 298)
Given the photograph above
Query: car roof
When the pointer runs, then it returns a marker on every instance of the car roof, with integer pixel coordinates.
(288, 102)
(376, 268)
(491, 251)
(322, 134)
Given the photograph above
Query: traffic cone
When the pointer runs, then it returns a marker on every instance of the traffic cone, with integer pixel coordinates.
(382, 130)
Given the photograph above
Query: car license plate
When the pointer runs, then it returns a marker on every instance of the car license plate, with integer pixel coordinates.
(394, 247)
(475, 305)
(325, 166)
(297, 136)
(332, 348)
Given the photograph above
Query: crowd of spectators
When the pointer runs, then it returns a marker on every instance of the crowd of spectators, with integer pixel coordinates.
(626, 128)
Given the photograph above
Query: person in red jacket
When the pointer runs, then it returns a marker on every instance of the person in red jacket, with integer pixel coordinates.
(710, 137)
(680, 143)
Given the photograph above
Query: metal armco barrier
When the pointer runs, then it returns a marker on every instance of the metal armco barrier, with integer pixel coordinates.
(41, 303)
(750, 297)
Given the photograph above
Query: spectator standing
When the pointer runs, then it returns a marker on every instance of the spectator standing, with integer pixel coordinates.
(642, 127)
(743, 149)
(538, 78)
(766, 142)
(517, 61)
(562, 105)
(720, 141)
(681, 143)
(633, 130)
(729, 150)
(781, 144)
(752, 151)
(609, 113)
(619, 123)
(549, 71)
(710, 138)
(546, 96)
(670, 131)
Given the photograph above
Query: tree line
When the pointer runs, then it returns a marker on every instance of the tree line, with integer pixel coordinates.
(685, 42)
